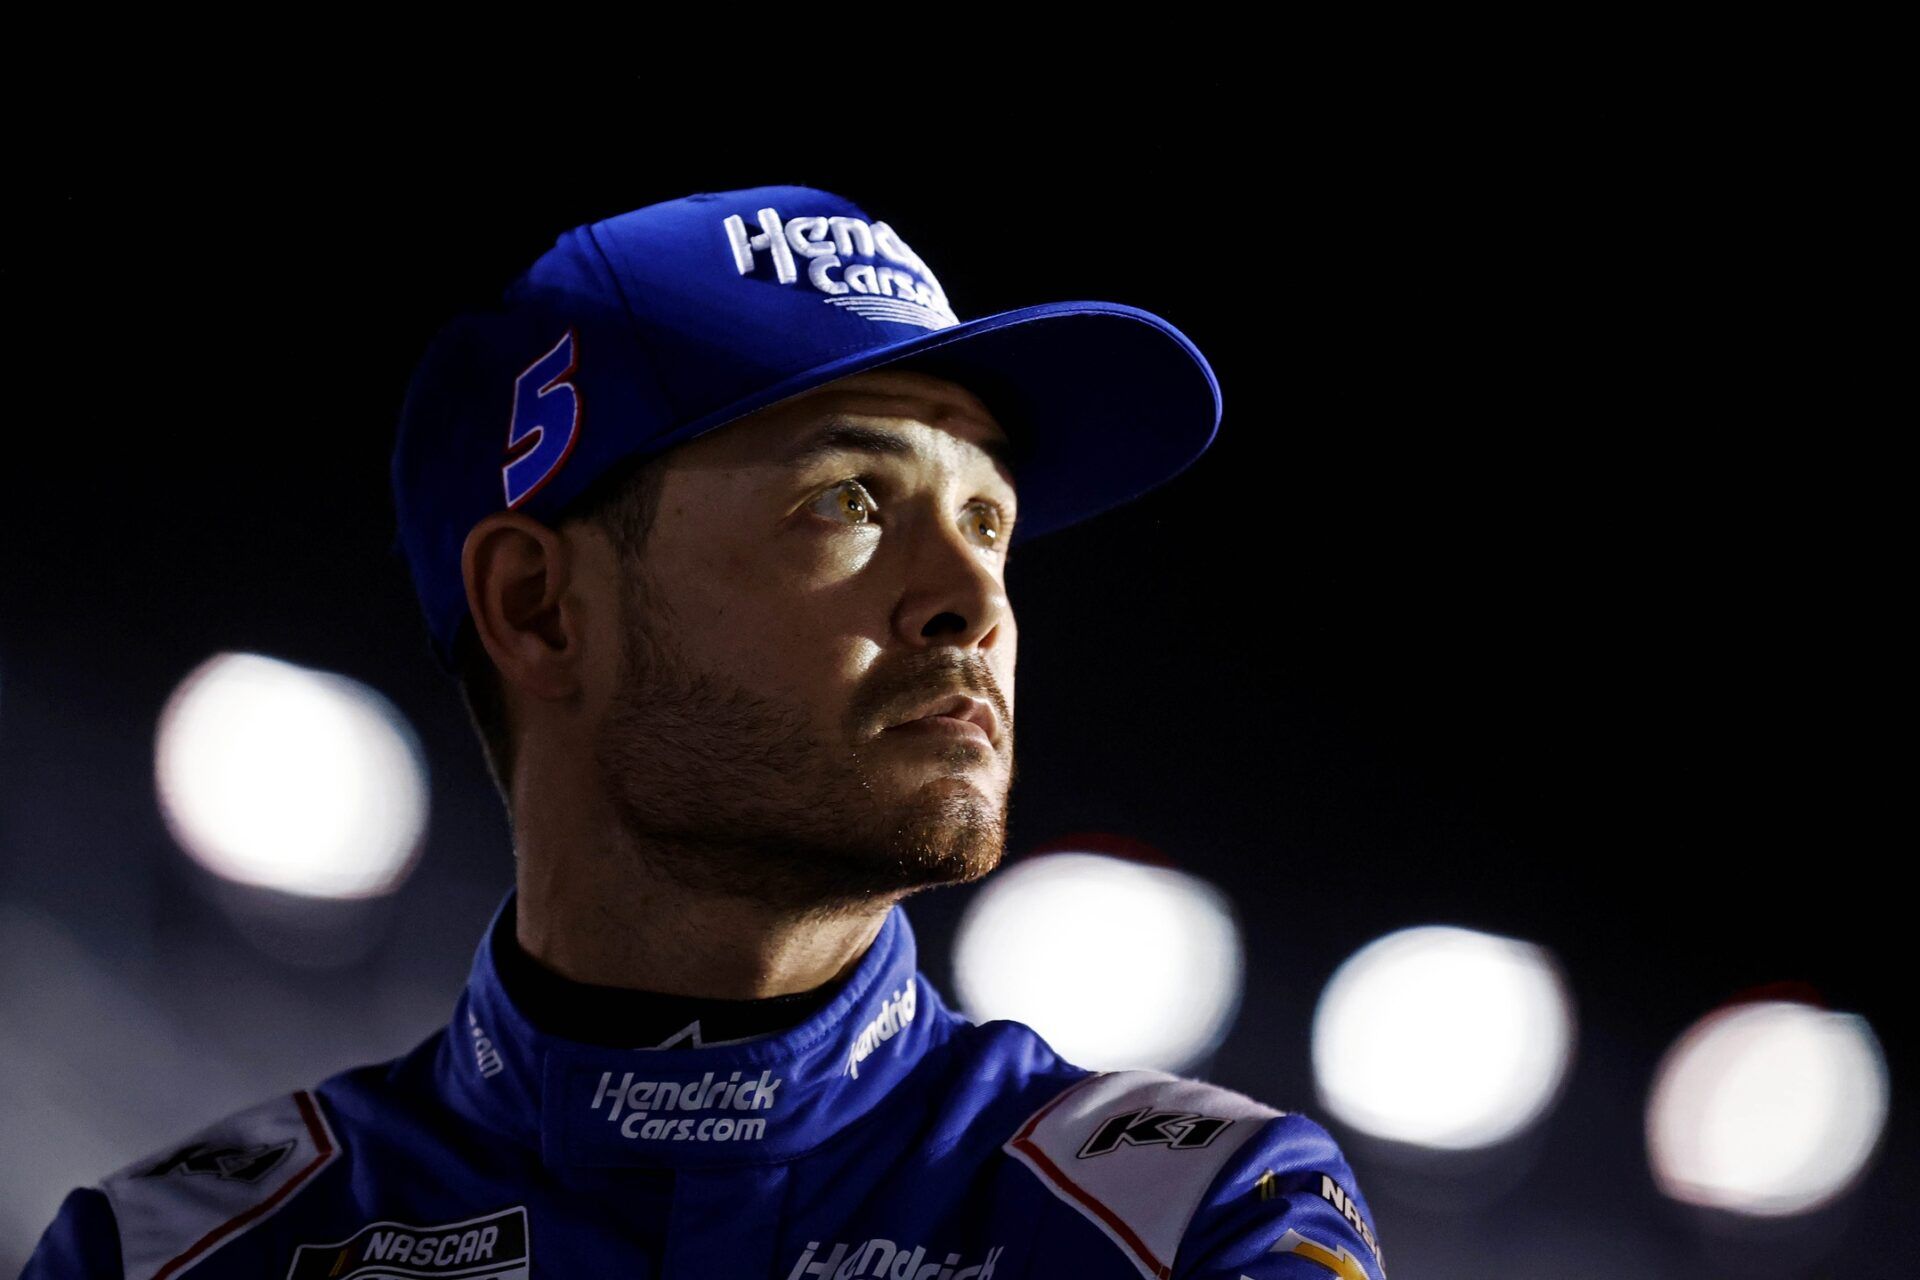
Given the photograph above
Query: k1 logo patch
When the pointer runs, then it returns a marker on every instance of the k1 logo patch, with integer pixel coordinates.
(235, 1164)
(489, 1248)
(1148, 1126)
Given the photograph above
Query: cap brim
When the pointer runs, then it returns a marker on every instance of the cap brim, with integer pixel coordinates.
(1103, 402)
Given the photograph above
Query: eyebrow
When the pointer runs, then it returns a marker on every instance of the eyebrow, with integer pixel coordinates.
(843, 435)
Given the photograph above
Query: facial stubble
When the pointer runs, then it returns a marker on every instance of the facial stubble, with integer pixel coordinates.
(730, 792)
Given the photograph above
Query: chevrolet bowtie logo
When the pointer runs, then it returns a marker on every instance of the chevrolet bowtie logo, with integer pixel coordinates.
(1338, 1261)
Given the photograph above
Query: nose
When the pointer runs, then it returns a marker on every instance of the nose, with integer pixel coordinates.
(954, 593)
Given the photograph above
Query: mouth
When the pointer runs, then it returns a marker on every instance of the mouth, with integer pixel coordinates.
(945, 726)
(957, 714)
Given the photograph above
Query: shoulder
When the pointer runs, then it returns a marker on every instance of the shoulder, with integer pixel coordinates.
(1189, 1178)
(1290, 1205)
(1136, 1151)
(182, 1202)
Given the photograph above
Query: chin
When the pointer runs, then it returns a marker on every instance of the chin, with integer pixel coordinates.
(953, 836)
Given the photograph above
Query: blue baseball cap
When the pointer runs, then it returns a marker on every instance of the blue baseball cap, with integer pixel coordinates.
(644, 330)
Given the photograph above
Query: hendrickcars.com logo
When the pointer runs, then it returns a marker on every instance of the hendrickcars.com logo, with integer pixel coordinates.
(635, 1105)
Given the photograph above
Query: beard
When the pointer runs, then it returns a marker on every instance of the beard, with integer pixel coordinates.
(729, 792)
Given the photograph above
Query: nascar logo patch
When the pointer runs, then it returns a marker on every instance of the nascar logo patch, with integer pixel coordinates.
(489, 1248)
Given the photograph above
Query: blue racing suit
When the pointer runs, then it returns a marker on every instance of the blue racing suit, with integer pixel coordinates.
(884, 1136)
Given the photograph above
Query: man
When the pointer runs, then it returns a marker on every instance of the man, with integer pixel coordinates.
(744, 690)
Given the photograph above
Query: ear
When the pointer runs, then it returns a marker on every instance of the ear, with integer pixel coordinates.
(521, 586)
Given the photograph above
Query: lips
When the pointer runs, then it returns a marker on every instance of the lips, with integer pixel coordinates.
(959, 707)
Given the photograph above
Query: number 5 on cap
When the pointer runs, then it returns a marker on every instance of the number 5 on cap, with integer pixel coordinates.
(545, 422)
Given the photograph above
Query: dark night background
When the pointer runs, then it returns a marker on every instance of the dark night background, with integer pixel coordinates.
(1540, 578)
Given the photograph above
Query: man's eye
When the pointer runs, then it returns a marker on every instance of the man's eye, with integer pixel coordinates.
(850, 502)
(987, 521)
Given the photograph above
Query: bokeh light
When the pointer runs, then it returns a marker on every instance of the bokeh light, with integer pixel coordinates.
(1117, 964)
(288, 778)
(1443, 1037)
(1769, 1108)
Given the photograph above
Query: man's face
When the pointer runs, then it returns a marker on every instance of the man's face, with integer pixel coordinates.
(799, 596)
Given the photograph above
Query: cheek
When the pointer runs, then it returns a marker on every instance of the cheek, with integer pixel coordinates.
(811, 654)
(787, 630)
(723, 596)
(792, 617)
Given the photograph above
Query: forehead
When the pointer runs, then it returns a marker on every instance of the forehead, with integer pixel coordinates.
(927, 412)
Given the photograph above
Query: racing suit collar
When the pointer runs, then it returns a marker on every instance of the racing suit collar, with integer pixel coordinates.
(757, 1102)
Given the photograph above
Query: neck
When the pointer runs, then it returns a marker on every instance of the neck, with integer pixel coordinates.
(617, 922)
